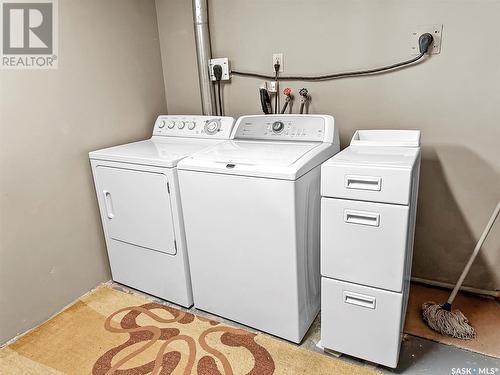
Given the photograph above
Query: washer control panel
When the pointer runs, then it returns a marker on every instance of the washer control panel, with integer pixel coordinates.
(193, 126)
(285, 127)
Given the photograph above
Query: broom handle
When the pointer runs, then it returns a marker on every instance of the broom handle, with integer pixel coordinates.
(474, 254)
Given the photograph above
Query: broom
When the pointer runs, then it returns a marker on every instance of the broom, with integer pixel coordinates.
(440, 317)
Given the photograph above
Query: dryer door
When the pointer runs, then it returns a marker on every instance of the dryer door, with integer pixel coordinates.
(136, 208)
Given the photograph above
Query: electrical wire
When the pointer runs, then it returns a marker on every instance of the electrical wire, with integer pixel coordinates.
(276, 99)
(219, 99)
(331, 76)
(277, 84)
(222, 106)
(216, 102)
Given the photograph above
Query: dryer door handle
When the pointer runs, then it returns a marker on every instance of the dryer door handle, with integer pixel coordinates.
(108, 204)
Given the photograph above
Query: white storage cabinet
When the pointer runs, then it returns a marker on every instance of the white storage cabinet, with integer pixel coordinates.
(368, 207)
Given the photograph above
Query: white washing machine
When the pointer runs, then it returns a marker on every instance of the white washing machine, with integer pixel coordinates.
(252, 211)
(138, 194)
(368, 215)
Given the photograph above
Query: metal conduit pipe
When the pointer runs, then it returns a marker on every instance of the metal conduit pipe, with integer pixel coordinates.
(204, 54)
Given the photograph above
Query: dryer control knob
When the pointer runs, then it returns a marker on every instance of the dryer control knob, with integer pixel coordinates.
(181, 124)
(278, 126)
(212, 126)
(171, 124)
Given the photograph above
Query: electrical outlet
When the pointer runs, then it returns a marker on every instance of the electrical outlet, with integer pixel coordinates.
(435, 30)
(279, 58)
(224, 62)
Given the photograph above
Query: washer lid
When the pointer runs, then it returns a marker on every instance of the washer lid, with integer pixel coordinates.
(282, 160)
(163, 152)
(255, 152)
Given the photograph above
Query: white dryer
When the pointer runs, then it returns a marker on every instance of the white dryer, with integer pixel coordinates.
(138, 194)
(252, 210)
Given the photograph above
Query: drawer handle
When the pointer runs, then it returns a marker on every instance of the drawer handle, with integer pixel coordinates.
(359, 300)
(362, 218)
(363, 182)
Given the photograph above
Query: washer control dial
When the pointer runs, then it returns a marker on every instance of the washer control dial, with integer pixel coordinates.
(181, 124)
(278, 126)
(191, 125)
(171, 124)
(212, 126)
(161, 125)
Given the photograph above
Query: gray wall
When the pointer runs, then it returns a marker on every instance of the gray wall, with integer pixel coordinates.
(453, 97)
(108, 90)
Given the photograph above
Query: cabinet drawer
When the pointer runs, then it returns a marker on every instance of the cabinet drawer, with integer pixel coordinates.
(364, 242)
(384, 185)
(361, 321)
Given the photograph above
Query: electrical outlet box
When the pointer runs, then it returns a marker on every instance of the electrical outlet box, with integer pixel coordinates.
(279, 58)
(435, 30)
(271, 86)
(224, 62)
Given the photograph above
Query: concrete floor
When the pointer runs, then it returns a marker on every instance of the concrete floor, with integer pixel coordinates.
(418, 355)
